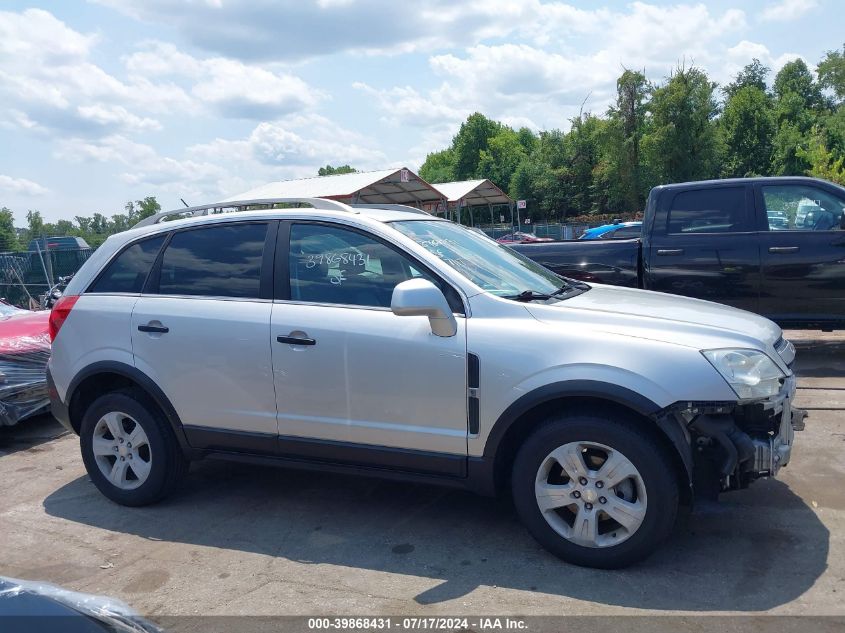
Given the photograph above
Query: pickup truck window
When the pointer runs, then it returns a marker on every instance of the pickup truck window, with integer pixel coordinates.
(625, 233)
(712, 210)
(802, 208)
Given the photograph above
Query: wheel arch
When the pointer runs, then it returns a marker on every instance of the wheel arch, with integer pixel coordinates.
(105, 376)
(523, 416)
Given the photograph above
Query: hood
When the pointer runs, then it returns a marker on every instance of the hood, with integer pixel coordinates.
(24, 332)
(662, 317)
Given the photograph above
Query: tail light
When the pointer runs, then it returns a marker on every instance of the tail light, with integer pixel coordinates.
(60, 313)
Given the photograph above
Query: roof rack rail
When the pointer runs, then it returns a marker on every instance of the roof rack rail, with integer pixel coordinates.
(238, 205)
(390, 207)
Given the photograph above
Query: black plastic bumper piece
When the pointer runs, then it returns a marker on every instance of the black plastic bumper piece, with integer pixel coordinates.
(58, 408)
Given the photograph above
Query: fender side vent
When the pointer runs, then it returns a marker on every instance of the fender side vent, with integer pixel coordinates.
(472, 414)
(472, 371)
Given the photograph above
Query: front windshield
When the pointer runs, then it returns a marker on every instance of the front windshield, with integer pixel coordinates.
(489, 265)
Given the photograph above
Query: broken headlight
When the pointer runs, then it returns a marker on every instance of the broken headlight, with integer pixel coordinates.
(750, 373)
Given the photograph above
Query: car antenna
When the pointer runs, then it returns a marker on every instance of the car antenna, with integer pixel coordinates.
(185, 203)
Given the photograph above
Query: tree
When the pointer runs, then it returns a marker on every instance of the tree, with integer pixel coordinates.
(8, 235)
(795, 78)
(439, 166)
(470, 141)
(503, 155)
(680, 144)
(831, 71)
(147, 207)
(753, 75)
(328, 170)
(35, 223)
(823, 163)
(746, 127)
(798, 105)
(622, 143)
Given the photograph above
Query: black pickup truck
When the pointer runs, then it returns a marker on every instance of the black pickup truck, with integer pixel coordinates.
(775, 246)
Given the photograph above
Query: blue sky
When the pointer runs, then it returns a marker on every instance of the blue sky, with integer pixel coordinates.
(111, 100)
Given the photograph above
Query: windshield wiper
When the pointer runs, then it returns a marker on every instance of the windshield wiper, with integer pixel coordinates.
(570, 287)
(529, 295)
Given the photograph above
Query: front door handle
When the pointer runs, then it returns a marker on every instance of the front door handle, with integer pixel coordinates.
(296, 340)
(784, 249)
(670, 251)
(159, 329)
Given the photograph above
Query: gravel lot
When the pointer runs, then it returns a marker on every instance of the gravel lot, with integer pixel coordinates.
(240, 539)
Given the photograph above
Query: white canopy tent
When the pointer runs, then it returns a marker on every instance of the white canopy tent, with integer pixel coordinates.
(387, 186)
(473, 193)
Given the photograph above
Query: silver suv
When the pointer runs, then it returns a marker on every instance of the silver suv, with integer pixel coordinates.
(384, 341)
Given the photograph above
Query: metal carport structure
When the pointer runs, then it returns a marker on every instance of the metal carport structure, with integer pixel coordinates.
(467, 194)
(386, 186)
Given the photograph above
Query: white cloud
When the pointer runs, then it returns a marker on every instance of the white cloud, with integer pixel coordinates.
(406, 106)
(290, 148)
(231, 87)
(21, 186)
(293, 29)
(47, 81)
(741, 54)
(544, 83)
(788, 10)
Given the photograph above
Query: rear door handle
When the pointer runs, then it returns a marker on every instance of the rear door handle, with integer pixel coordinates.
(160, 329)
(670, 251)
(784, 249)
(296, 340)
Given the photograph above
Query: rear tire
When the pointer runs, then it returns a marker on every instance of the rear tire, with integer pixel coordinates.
(131, 475)
(582, 500)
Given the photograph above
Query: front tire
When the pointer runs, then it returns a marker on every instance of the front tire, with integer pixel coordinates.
(129, 449)
(595, 490)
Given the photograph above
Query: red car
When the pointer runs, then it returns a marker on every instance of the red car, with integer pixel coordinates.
(518, 237)
(24, 350)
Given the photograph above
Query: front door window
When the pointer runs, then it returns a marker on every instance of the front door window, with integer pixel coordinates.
(802, 208)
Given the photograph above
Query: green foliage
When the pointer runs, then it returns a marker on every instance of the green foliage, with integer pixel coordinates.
(680, 144)
(831, 71)
(439, 166)
(747, 126)
(472, 139)
(503, 155)
(8, 235)
(752, 76)
(823, 162)
(795, 78)
(328, 170)
(94, 229)
(622, 174)
(670, 132)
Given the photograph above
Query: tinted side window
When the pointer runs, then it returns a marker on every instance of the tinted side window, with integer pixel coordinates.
(718, 210)
(218, 261)
(334, 265)
(627, 232)
(128, 272)
(802, 208)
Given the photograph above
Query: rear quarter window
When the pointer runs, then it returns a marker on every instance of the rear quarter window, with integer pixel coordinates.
(129, 270)
(215, 261)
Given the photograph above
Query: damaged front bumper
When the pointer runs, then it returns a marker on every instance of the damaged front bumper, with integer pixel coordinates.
(773, 451)
(738, 442)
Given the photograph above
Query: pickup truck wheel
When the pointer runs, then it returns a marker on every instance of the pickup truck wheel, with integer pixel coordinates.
(595, 491)
(129, 450)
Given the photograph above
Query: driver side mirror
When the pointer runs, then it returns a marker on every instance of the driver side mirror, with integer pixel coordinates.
(420, 297)
(842, 220)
